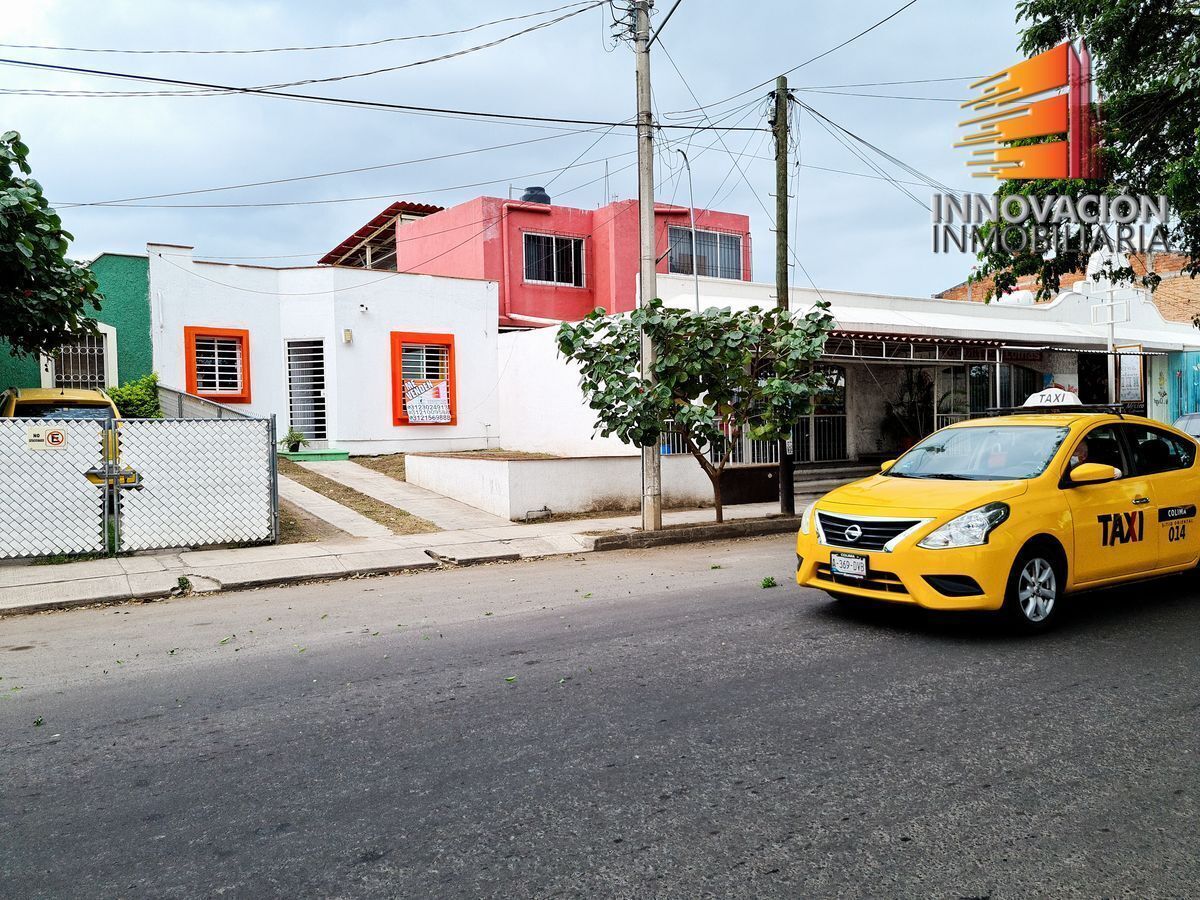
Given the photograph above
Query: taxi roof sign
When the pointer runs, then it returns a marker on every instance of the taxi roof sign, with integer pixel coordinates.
(1057, 397)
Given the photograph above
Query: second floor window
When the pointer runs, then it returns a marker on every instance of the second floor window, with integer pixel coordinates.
(552, 259)
(718, 255)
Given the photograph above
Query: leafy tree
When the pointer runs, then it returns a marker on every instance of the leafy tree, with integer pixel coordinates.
(44, 297)
(138, 399)
(1146, 68)
(717, 373)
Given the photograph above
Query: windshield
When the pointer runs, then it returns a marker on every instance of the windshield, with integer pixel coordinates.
(982, 453)
(58, 411)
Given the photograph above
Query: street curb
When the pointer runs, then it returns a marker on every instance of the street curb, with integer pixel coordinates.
(741, 528)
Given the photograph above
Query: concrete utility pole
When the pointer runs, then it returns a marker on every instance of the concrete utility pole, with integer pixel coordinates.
(787, 485)
(648, 280)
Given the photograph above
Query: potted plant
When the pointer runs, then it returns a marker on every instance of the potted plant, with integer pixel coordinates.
(294, 440)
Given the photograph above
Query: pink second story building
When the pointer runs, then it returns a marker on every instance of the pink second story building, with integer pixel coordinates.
(552, 263)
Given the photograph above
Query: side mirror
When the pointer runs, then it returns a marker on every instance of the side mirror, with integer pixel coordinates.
(886, 466)
(1093, 473)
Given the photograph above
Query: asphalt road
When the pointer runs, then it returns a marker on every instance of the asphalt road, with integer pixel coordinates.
(635, 724)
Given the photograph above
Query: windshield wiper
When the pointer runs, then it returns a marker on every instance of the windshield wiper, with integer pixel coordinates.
(949, 476)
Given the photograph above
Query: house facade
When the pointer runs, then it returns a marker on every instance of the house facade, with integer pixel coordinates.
(363, 361)
(120, 352)
(552, 263)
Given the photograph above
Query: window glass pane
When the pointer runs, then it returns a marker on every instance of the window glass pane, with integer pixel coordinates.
(1157, 451)
(679, 259)
(731, 256)
(982, 453)
(218, 365)
(555, 260)
(707, 253)
(577, 260)
(564, 271)
(539, 257)
(1099, 446)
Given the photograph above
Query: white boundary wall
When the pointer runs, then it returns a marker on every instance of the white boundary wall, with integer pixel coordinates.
(511, 488)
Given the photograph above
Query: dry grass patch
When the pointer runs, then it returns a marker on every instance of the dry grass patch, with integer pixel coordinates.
(389, 464)
(296, 526)
(391, 517)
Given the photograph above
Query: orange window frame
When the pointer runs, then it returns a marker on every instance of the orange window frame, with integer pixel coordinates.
(399, 339)
(190, 333)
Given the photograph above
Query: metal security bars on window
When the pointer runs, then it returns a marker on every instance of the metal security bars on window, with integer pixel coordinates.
(81, 364)
(306, 388)
(718, 255)
(425, 373)
(218, 365)
(551, 259)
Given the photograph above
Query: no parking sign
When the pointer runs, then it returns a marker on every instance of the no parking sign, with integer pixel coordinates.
(44, 437)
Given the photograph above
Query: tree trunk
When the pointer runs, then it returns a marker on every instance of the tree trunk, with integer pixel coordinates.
(715, 478)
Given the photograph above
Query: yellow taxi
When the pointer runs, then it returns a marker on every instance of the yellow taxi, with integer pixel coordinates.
(56, 403)
(1010, 513)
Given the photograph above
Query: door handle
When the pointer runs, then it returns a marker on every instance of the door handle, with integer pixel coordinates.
(1139, 501)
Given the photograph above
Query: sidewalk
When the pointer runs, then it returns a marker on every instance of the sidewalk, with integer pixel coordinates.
(25, 589)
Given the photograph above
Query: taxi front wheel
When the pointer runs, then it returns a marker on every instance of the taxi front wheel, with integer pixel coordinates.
(1034, 594)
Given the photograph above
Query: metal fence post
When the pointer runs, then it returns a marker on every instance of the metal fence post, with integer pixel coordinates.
(274, 483)
(112, 453)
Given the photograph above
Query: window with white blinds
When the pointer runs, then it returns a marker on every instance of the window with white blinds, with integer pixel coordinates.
(81, 363)
(425, 362)
(553, 259)
(219, 365)
(718, 255)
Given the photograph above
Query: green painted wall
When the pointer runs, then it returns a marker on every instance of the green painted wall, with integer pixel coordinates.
(125, 291)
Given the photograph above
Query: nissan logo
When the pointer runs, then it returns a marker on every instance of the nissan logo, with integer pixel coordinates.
(853, 533)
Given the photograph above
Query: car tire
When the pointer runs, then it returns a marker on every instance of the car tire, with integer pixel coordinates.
(1034, 595)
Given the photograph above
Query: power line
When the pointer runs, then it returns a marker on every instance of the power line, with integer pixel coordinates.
(354, 171)
(341, 101)
(330, 201)
(931, 182)
(879, 96)
(813, 59)
(445, 56)
(375, 43)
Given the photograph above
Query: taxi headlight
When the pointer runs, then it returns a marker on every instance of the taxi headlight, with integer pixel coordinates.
(806, 518)
(971, 529)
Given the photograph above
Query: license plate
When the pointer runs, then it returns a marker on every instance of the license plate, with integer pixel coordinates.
(848, 565)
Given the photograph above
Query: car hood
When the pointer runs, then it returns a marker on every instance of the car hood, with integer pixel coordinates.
(884, 495)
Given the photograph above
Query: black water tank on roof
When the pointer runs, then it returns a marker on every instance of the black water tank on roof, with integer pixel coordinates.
(535, 195)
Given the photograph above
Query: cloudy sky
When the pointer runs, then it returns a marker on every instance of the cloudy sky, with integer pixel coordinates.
(851, 232)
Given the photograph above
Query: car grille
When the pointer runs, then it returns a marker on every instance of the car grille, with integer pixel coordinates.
(875, 532)
(884, 582)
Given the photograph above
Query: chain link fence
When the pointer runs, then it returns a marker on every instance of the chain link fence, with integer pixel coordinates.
(135, 484)
(47, 504)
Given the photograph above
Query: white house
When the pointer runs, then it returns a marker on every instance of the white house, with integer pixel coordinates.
(358, 360)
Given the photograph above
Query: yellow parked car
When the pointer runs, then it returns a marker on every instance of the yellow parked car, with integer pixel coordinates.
(60, 404)
(1010, 513)
(56, 403)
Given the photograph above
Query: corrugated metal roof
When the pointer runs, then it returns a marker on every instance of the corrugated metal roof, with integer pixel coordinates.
(396, 209)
